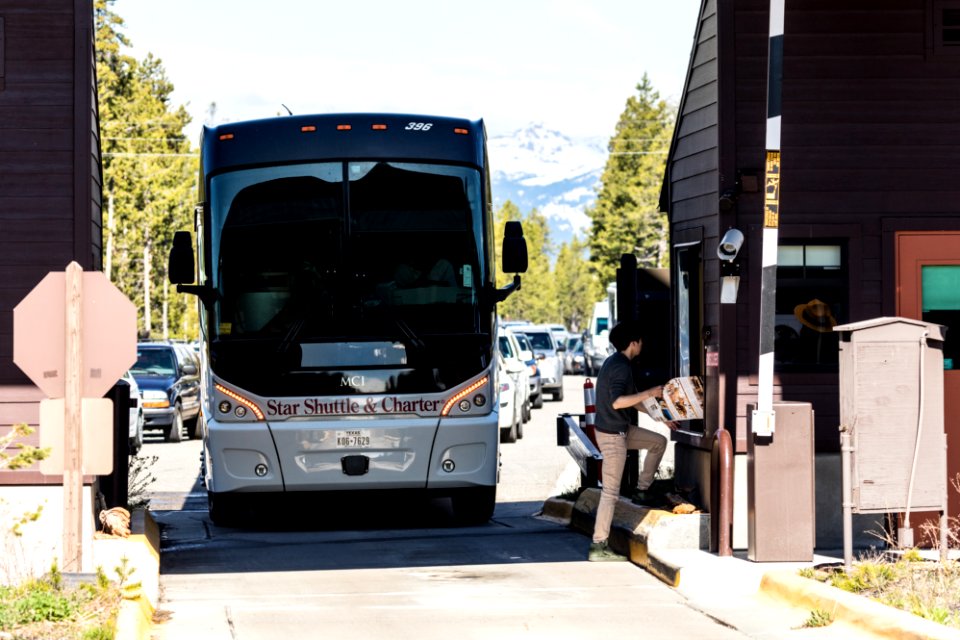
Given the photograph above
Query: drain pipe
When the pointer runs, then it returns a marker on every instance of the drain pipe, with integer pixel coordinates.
(905, 533)
(724, 445)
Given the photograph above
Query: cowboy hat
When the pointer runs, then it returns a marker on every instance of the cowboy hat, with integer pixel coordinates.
(816, 315)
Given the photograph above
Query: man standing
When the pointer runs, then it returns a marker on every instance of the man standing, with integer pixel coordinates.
(617, 431)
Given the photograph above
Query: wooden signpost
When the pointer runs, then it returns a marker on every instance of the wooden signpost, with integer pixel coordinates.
(74, 335)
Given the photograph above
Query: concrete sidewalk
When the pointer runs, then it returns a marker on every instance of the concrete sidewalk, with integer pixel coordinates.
(761, 599)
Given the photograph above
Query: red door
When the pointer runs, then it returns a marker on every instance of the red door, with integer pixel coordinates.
(928, 288)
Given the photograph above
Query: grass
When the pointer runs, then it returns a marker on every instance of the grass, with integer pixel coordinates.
(47, 608)
(818, 618)
(928, 589)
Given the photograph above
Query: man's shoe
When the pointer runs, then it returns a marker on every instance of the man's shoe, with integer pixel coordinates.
(601, 552)
(647, 498)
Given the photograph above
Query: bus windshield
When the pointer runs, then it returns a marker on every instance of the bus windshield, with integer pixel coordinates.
(346, 266)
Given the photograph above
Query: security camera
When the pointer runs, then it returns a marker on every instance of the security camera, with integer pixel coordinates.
(730, 245)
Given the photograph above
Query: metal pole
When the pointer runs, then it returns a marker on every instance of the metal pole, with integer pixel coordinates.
(763, 417)
(846, 449)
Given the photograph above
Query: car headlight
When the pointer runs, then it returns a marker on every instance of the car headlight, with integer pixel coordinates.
(155, 399)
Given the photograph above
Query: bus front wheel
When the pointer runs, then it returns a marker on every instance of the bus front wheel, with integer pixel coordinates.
(474, 505)
(222, 509)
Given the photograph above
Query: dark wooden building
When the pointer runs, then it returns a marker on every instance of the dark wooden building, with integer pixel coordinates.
(50, 172)
(869, 206)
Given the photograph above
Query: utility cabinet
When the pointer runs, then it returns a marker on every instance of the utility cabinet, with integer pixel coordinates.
(891, 403)
(781, 524)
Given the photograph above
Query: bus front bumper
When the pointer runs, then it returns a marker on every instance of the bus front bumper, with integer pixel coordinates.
(343, 455)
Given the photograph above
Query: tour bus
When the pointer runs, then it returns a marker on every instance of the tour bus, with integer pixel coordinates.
(345, 272)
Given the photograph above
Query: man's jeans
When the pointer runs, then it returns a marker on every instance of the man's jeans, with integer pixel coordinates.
(614, 448)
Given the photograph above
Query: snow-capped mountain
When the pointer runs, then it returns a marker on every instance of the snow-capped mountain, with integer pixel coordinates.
(538, 167)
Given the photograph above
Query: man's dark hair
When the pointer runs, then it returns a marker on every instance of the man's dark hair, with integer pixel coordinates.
(624, 333)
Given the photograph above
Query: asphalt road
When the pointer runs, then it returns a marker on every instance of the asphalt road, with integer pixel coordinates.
(368, 569)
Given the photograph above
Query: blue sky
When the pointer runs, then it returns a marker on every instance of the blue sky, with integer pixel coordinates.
(570, 64)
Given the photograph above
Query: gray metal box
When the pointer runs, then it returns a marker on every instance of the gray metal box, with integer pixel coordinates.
(781, 523)
(891, 394)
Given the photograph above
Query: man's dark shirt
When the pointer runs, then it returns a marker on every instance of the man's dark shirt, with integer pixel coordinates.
(614, 380)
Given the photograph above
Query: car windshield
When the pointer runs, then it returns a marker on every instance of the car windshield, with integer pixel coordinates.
(523, 342)
(540, 340)
(154, 362)
(505, 349)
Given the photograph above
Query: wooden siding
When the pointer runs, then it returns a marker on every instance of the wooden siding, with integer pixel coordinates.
(50, 176)
(871, 134)
(870, 144)
(49, 153)
(693, 160)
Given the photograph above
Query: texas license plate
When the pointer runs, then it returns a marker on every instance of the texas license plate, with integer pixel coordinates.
(354, 438)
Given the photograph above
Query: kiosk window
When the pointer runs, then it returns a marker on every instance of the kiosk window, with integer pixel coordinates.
(812, 298)
(941, 305)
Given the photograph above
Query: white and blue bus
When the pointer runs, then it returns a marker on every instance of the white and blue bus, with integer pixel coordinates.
(348, 303)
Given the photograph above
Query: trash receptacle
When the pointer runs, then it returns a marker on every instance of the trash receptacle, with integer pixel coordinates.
(780, 487)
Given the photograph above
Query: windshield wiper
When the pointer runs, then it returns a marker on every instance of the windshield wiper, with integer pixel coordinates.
(409, 334)
(291, 336)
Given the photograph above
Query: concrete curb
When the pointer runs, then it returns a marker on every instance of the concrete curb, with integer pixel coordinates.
(637, 533)
(141, 550)
(857, 611)
(557, 510)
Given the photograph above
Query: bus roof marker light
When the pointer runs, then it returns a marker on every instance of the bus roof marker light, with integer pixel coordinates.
(379, 127)
(308, 128)
(236, 396)
(461, 131)
(225, 136)
(463, 393)
(344, 127)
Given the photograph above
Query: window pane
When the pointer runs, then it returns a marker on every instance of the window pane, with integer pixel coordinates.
(790, 256)
(823, 256)
(812, 298)
(941, 288)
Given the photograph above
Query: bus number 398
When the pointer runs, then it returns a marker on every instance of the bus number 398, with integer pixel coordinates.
(418, 126)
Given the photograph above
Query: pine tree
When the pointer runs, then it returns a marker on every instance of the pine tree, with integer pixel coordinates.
(149, 174)
(625, 216)
(536, 300)
(575, 285)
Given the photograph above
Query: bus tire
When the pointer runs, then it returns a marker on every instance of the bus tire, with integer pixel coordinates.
(222, 509)
(474, 506)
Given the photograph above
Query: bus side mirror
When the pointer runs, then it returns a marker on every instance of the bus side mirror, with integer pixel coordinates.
(514, 251)
(513, 257)
(180, 265)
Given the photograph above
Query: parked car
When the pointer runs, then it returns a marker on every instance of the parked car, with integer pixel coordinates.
(136, 415)
(169, 381)
(549, 356)
(517, 369)
(560, 333)
(511, 425)
(596, 351)
(573, 359)
(526, 354)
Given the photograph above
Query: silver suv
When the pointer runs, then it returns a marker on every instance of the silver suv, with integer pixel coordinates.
(549, 356)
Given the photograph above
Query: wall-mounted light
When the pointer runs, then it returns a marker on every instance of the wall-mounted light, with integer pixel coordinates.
(727, 251)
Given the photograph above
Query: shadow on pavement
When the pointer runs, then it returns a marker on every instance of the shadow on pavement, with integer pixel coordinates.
(322, 532)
